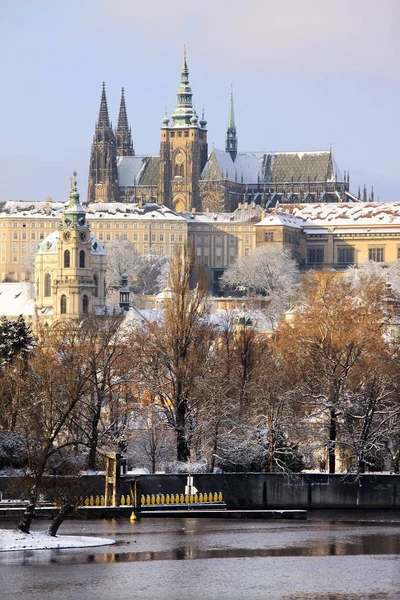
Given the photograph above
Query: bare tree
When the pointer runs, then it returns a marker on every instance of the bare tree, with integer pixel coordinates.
(175, 350)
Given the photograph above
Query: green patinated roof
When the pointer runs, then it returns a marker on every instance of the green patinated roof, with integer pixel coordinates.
(149, 175)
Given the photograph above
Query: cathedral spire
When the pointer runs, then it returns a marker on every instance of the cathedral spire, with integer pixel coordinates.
(231, 137)
(123, 131)
(184, 110)
(103, 120)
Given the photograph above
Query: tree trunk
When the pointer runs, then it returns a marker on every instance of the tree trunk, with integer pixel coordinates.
(94, 437)
(332, 441)
(59, 518)
(182, 446)
(25, 523)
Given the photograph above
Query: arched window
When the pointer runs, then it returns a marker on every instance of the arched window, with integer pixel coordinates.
(96, 285)
(181, 172)
(82, 259)
(177, 170)
(63, 304)
(67, 259)
(47, 285)
(85, 305)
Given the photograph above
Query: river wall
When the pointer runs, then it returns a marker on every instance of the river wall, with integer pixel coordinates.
(260, 490)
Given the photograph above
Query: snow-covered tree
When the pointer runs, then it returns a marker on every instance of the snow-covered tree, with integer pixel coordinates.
(15, 339)
(28, 262)
(121, 258)
(269, 272)
(149, 272)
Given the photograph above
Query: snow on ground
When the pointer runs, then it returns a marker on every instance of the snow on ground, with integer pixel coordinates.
(39, 540)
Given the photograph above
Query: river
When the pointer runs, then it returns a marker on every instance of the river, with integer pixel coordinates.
(331, 556)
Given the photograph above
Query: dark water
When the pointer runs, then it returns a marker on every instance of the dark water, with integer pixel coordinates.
(332, 556)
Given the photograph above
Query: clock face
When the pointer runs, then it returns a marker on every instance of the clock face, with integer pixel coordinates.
(67, 221)
(180, 158)
(66, 236)
(83, 236)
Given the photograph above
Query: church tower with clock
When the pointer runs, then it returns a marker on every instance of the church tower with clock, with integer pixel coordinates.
(183, 151)
(70, 266)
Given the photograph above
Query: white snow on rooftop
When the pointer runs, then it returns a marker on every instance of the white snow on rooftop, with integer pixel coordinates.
(130, 169)
(350, 214)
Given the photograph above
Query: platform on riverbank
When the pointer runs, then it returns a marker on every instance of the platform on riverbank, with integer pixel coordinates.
(114, 512)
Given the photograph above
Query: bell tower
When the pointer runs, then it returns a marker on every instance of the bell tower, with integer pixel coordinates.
(79, 282)
(183, 151)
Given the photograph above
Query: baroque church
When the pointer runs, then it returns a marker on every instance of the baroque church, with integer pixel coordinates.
(185, 177)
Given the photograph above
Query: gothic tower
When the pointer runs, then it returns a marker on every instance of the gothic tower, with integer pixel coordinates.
(231, 144)
(183, 151)
(123, 134)
(103, 174)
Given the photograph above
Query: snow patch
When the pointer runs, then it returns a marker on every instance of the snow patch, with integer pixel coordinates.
(39, 540)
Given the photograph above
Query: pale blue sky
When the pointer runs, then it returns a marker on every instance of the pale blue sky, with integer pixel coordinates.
(306, 74)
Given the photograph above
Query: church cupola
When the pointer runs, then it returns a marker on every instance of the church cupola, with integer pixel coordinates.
(231, 144)
(123, 134)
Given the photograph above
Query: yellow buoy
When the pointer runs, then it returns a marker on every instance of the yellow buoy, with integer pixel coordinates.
(142, 499)
(162, 499)
(133, 517)
(167, 499)
(128, 500)
(153, 499)
(220, 497)
(210, 497)
(181, 499)
(122, 502)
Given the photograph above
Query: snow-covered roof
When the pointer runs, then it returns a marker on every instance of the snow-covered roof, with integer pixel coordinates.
(50, 244)
(108, 210)
(245, 213)
(17, 299)
(254, 167)
(137, 170)
(116, 210)
(350, 214)
(280, 218)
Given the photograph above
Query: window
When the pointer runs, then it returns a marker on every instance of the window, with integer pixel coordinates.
(63, 303)
(15, 235)
(146, 237)
(96, 285)
(24, 235)
(172, 237)
(153, 237)
(125, 225)
(41, 236)
(161, 237)
(346, 255)
(376, 254)
(116, 225)
(23, 248)
(246, 251)
(124, 236)
(82, 259)
(161, 249)
(101, 237)
(108, 237)
(47, 285)
(135, 238)
(315, 256)
(33, 225)
(268, 236)
(33, 236)
(232, 241)
(67, 259)
(100, 225)
(42, 225)
(85, 304)
(15, 247)
(186, 134)
(117, 236)
(108, 225)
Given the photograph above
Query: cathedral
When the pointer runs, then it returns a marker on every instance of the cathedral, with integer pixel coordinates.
(186, 178)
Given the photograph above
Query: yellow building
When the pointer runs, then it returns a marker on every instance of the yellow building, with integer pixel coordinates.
(334, 235)
(24, 225)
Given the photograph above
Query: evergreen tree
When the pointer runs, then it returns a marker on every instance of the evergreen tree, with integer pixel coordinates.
(15, 339)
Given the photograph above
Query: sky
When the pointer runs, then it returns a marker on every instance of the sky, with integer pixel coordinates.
(307, 75)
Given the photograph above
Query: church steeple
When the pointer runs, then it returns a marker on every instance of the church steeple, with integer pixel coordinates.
(103, 120)
(184, 110)
(123, 134)
(231, 144)
(103, 174)
(74, 214)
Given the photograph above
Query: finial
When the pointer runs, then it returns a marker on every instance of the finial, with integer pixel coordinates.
(73, 182)
(184, 50)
